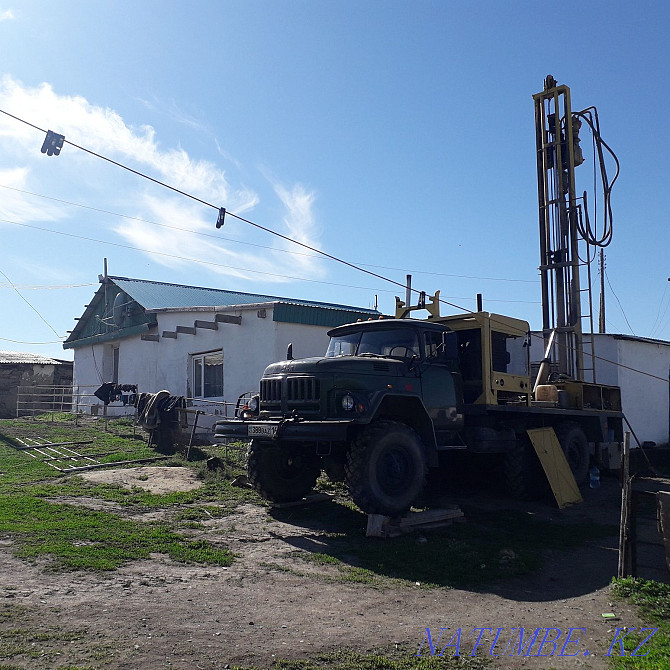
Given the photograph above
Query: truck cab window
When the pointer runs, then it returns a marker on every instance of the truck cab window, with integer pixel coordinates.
(395, 343)
(440, 347)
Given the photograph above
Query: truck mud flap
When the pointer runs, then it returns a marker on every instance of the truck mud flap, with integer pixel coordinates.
(555, 465)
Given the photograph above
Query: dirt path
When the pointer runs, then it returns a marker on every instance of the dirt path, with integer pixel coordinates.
(159, 614)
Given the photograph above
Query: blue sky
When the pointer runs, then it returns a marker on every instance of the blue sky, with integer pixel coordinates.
(396, 135)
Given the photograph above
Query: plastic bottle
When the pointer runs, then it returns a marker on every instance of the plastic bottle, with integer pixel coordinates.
(594, 477)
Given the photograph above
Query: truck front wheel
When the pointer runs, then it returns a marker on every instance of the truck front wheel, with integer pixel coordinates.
(386, 468)
(280, 472)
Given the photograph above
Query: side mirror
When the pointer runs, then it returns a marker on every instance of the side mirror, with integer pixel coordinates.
(289, 352)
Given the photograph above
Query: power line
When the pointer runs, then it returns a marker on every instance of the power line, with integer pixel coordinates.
(29, 304)
(221, 265)
(49, 287)
(222, 212)
(252, 244)
(659, 318)
(6, 339)
(619, 301)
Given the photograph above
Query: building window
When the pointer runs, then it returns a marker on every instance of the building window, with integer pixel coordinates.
(208, 375)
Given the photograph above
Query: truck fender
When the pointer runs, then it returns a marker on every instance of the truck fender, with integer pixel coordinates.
(410, 410)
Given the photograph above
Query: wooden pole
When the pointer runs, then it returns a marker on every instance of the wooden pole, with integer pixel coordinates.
(623, 568)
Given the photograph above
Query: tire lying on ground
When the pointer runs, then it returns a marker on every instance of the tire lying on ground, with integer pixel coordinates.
(386, 468)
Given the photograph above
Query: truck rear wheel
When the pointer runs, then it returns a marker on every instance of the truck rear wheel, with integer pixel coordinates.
(576, 449)
(386, 468)
(524, 476)
(280, 472)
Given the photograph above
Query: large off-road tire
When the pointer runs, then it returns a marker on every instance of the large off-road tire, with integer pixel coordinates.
(281, 472)
(386, 468)
(524, 476)
(576, 449)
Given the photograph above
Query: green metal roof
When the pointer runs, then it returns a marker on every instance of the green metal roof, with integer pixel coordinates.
(161, 295)
(97, 323)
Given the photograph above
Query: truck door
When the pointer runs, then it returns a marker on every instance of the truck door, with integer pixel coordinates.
(439, 383)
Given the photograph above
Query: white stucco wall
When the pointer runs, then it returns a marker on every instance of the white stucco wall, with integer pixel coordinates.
(645, 398)
(247, 349)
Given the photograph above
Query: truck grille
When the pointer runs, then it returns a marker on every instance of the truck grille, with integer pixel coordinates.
(302, 389)
(298, 390)
(270, 390)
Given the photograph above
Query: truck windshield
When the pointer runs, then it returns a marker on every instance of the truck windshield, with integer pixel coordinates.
(396, 343)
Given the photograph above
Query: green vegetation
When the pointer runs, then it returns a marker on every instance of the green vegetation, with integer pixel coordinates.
(350, 660)
(35, 511)
(38, 512)
(653, 600)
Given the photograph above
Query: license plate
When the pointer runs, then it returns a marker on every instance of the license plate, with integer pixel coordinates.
(267, 431)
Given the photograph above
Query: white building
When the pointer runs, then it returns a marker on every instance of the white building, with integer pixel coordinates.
(207, 344)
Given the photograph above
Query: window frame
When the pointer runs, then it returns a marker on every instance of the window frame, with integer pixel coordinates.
(199, 390)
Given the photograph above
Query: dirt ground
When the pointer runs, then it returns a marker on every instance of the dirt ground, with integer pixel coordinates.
(160, 614)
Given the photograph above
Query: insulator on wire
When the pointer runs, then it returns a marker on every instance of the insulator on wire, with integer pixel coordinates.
(53, 143)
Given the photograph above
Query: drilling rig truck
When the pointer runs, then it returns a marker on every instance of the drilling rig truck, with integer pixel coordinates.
(392, 395)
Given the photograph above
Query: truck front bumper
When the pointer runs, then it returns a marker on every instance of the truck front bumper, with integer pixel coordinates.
(290, 430)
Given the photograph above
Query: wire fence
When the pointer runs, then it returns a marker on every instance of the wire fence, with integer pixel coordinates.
(62, 402)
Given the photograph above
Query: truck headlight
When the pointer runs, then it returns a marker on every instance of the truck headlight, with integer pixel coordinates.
(250, 409)
(348, 402)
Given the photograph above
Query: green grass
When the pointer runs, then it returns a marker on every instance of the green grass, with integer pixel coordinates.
(76, 538)
(72, 537)
(35, 514)
(351, 660)
(653, 602)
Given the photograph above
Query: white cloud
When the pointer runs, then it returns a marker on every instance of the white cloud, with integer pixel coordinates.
(104, 131)
(15, 206)
(6, 15)
(224, 258)
(299, 222)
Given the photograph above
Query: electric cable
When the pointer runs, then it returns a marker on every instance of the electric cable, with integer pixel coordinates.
(236, 216)
(7, 339)
(30, 305)
(222, 265)
(323, 253)
(589, 233)
(45, 287)
(252, 244)
(619, 301)
(660, 318)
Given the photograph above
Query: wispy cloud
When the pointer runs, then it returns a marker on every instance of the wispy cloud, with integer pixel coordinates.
(6, 15)
(15, 207)
(299, 221)
(104, 131)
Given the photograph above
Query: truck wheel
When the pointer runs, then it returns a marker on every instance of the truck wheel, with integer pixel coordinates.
(576, 449)
(386, 468)
(281, 473)
(524, 476)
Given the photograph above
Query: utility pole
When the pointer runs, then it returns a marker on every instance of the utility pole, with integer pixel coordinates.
(601, 317)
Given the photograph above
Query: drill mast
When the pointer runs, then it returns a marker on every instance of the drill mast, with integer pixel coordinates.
(558, 153)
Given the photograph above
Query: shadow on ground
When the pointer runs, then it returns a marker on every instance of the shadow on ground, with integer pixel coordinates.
(529, 551)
